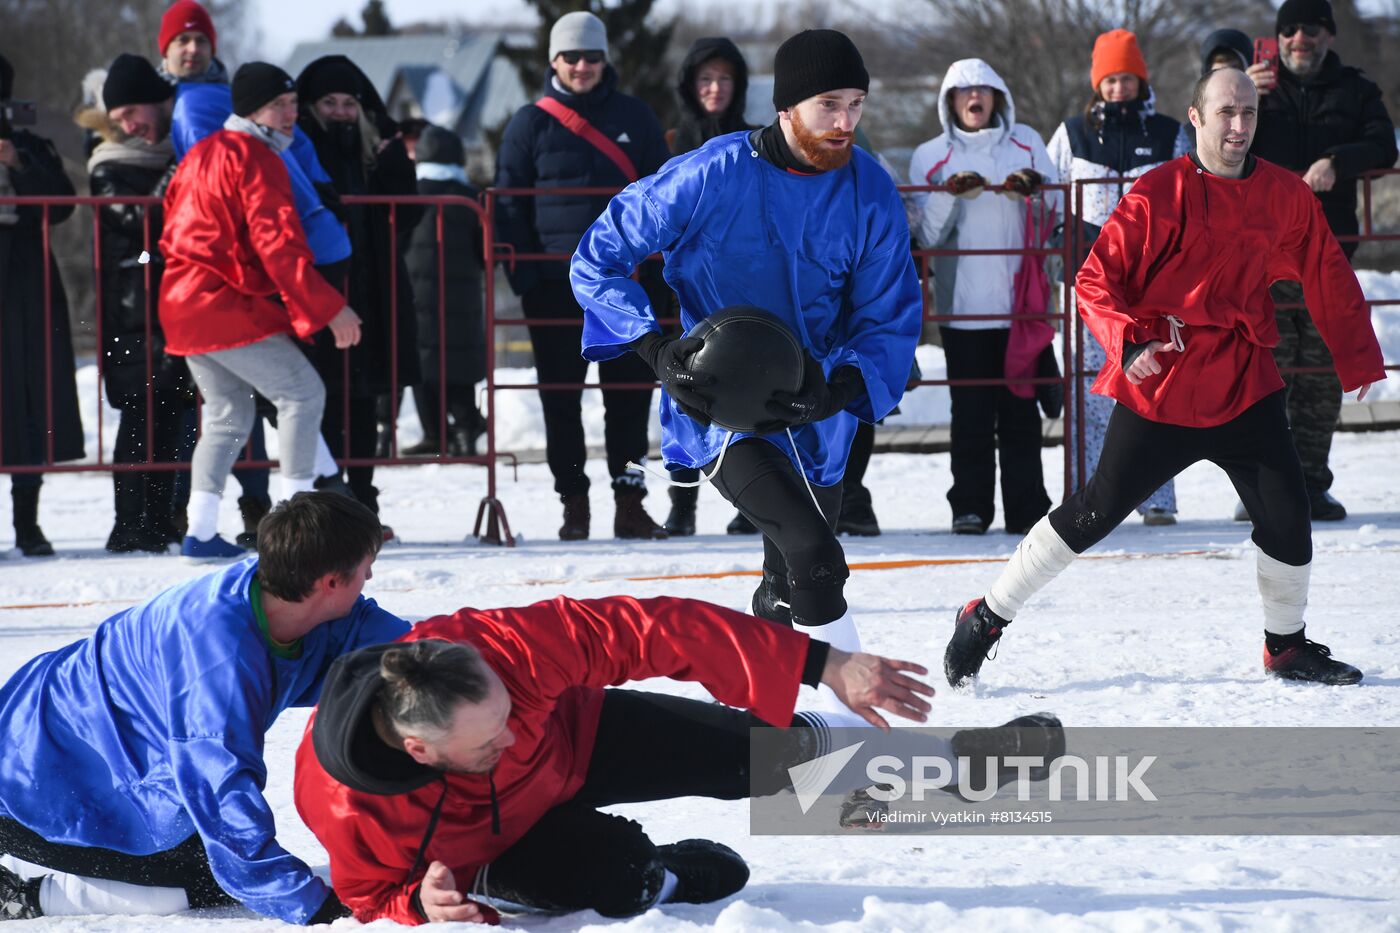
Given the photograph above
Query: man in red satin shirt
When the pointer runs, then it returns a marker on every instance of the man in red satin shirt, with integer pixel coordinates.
(1177, 291)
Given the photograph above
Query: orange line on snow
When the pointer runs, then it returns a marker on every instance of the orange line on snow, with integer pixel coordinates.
(900, 565)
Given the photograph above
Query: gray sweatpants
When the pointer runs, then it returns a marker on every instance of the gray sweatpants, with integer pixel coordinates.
(227, 379)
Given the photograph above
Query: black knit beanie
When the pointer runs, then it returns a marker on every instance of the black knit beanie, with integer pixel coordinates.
(257, 84)
(1305, 13)
(133, 80)
(329, 75)
(813, 62)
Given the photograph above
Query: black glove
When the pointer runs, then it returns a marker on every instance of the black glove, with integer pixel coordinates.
(817, 400)
(331, 910)
(667, 357)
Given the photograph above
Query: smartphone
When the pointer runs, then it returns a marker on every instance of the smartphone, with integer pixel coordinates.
(1266, 53)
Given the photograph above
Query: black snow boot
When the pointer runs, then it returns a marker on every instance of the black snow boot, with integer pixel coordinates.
(130, 532)
(705, 871)
(740, 525)
(19, 899)
(977, 632)
(681, 522)
(29, 537)
(252, 508)
(1295, 657)
(857, 514)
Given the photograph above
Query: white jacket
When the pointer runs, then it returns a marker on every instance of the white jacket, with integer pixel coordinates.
(977, 284)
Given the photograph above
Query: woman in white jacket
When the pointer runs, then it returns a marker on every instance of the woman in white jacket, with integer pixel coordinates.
(996, 167)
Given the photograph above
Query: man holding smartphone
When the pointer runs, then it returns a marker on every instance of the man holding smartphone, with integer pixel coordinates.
(1326, 121)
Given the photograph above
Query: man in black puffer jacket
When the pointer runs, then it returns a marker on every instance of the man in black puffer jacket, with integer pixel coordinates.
(1327, 121)
(611, 139)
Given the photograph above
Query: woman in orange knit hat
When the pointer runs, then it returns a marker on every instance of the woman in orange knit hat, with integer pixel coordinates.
(1120, 135)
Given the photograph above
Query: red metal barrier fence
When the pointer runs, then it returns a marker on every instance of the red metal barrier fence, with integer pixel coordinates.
(491, 524)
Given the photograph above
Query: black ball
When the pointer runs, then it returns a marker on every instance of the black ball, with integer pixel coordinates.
(751, 354)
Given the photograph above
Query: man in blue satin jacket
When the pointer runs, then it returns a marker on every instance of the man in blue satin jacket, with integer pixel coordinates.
(133, 774)
(791, 218)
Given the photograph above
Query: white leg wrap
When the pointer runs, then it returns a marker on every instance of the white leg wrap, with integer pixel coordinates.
(1284, 591)
(325, 462)
(1039, 558)
(839, 634)
(63, 895)
(203, 514)
(290, 485)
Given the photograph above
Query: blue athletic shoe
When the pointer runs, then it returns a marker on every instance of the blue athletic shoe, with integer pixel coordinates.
(215, 550)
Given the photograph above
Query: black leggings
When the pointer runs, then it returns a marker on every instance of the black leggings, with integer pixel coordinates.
(1255, 450)
(578, 858)
(800, 547)
(185, 866)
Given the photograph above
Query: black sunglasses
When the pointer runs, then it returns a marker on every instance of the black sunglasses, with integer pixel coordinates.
(572, 58)
(1311, 30)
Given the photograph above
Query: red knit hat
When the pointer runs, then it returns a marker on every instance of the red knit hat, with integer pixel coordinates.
(185, 16)
(1115, 52)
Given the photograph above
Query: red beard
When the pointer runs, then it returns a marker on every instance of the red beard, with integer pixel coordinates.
(810, 148)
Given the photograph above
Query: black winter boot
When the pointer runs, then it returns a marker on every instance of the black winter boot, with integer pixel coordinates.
(29, 537)
(681, 522)
(740, 525)
(130, 532)
(857, 514)
(253, 508)
(576, 518)
(630, 520)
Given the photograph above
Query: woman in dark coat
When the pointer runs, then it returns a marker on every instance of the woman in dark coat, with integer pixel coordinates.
(30, 166)
(463, 361)
(359, 147)
(144, 502)
(713, 89)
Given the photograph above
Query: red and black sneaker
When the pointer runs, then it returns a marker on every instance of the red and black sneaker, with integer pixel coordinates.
(976, 634)
(1308, 661)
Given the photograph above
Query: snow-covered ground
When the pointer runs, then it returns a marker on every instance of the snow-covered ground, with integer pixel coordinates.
(1162, 629)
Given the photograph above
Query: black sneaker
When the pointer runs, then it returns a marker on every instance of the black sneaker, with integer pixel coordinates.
(770, 600)
(1324, 507)
(705, 871)
(1309, 662)
(969, 525)
(1038, 735)
(19, 899)
(976, 634)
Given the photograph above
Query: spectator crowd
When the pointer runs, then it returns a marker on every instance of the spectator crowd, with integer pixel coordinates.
(255, 294)
(466, 763)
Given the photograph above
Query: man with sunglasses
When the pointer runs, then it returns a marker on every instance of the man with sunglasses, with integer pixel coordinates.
(582, 133)
(1325, 121)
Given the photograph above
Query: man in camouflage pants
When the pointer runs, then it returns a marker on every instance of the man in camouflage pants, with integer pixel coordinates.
(1326, 121)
